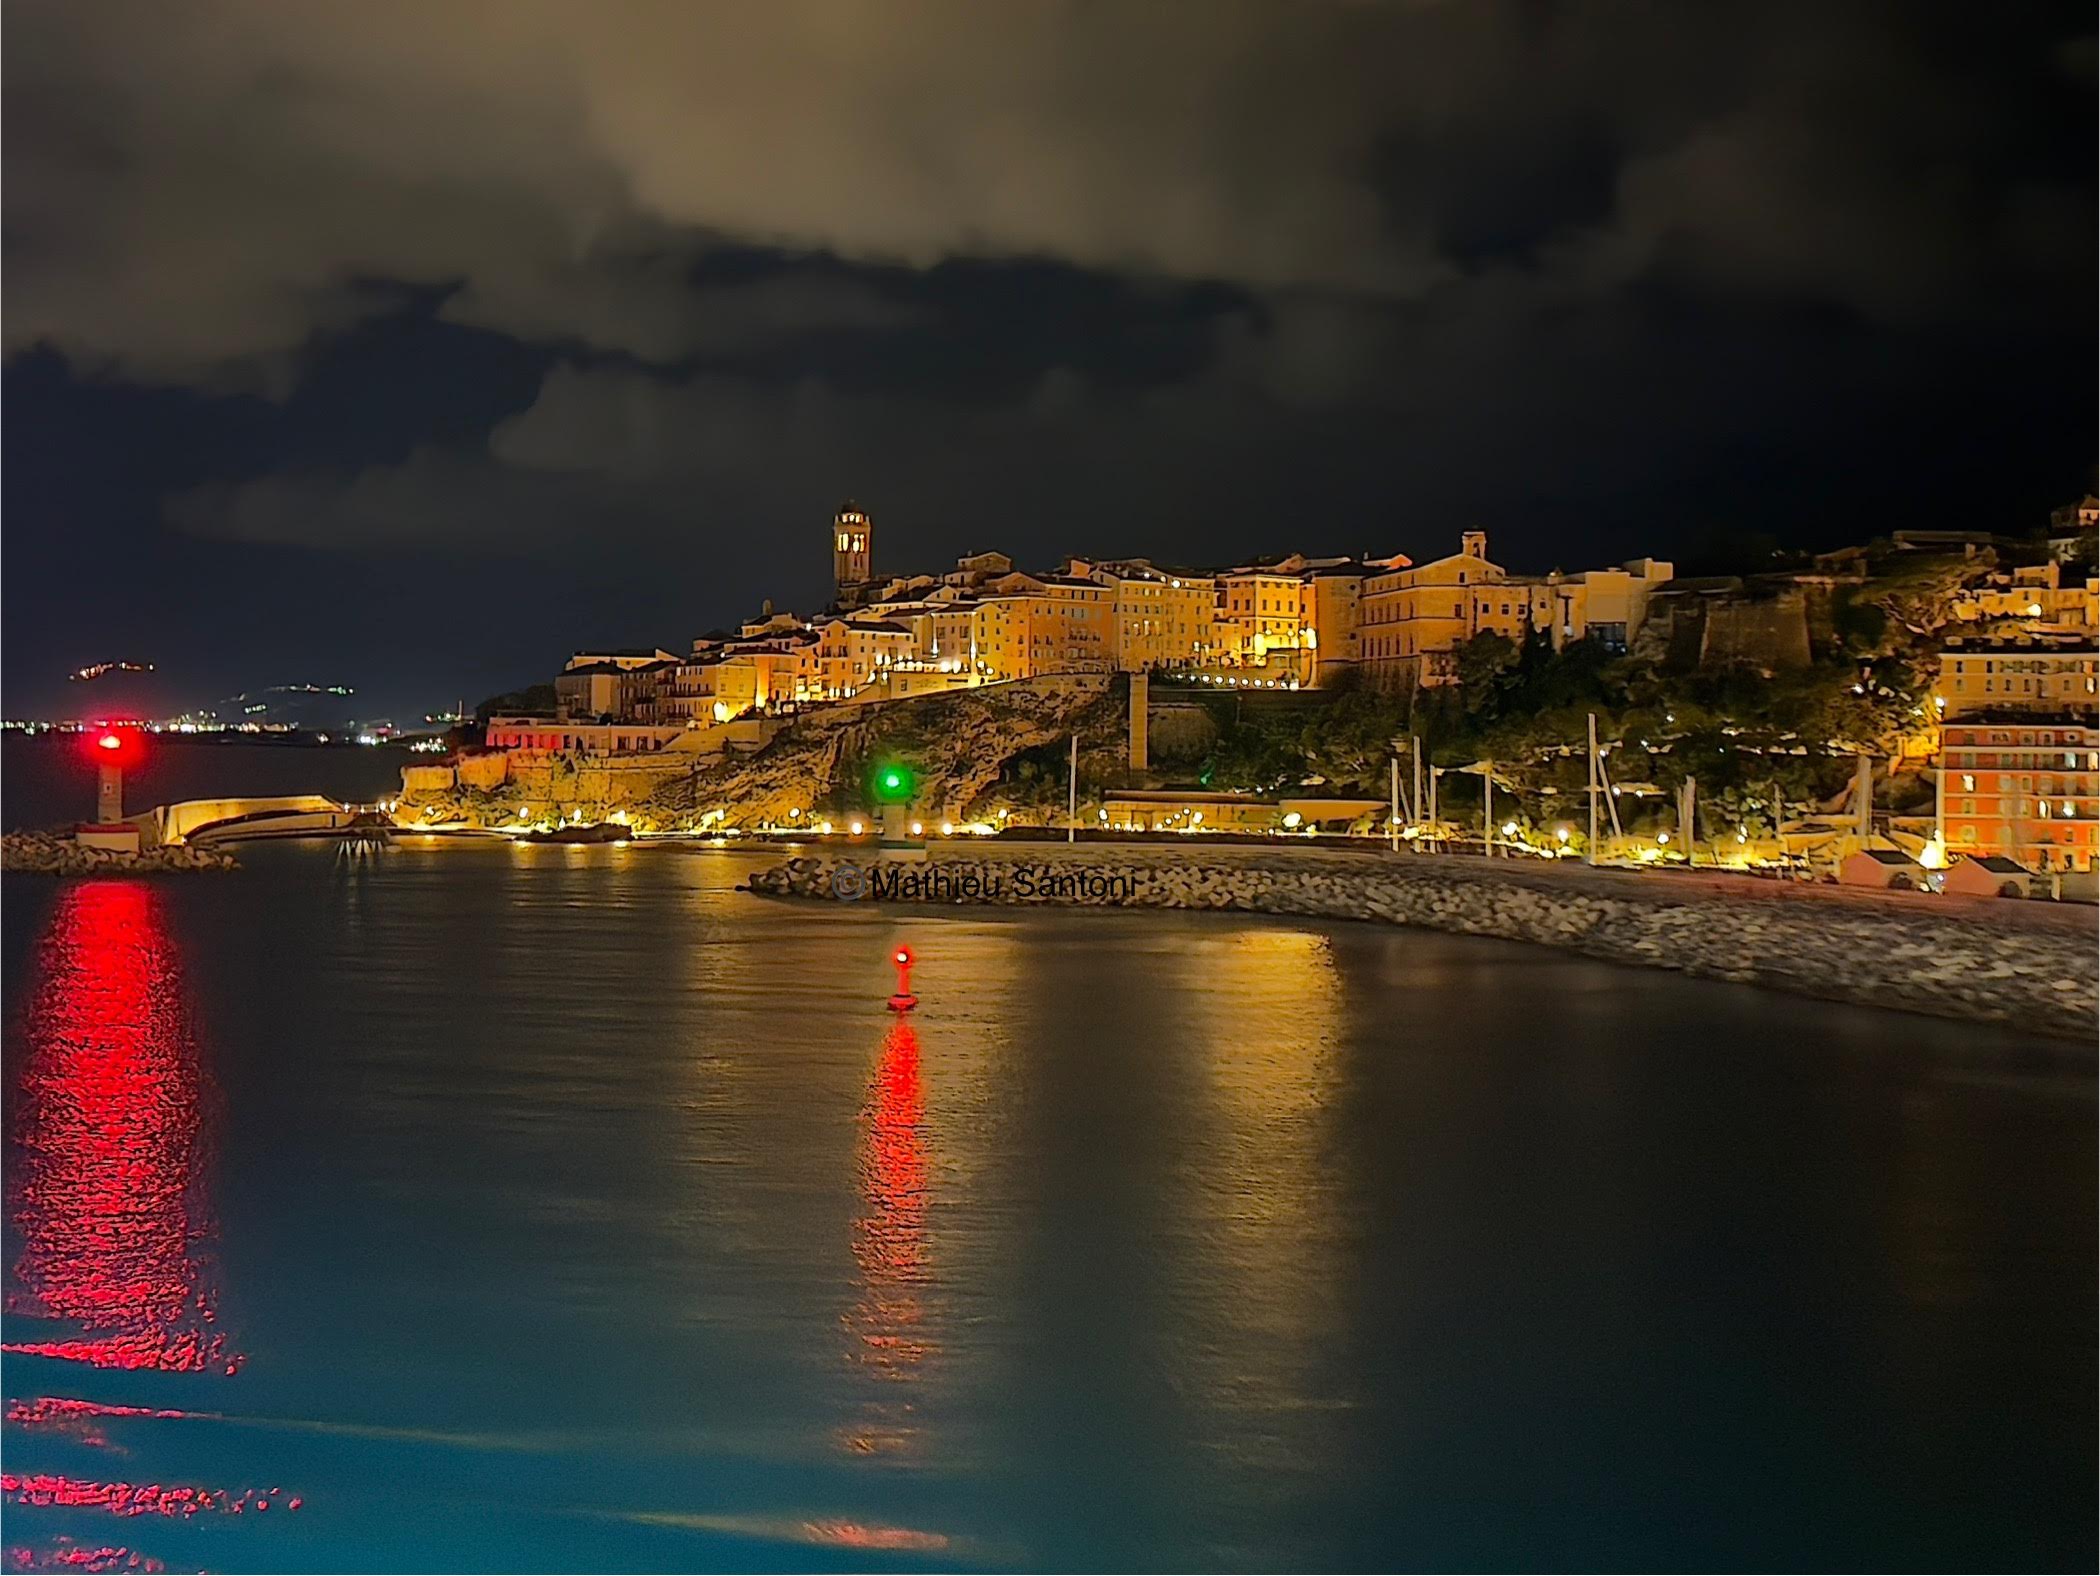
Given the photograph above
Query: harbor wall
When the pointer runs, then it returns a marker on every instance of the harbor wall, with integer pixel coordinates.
(1989, 960)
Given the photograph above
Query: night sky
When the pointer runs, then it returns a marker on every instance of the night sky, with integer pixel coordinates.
(412, 346)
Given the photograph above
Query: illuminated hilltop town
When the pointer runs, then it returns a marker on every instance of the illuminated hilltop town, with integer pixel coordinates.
(2005, 731)
(1285, 623)
(1923, 703)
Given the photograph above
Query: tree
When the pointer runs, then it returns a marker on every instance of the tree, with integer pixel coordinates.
(1917, 590)
(1488, 666)
(1349, 742)
(1256, 756)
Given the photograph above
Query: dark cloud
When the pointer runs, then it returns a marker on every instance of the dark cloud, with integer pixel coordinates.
(455, 281)
(649, 304)
(188, 192)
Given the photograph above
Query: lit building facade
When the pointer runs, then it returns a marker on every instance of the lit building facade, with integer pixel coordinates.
(587, 692)
(999, 629)
(2032, 598)
(1260, 612)
(2019, 764)
(975, 568)
(852, 654)
(1413, 618)
(549, 736)
(630, 657)
(2054, 674)
(1072, 627)
(1331, 608)
(2023, 786)
(1161, 618)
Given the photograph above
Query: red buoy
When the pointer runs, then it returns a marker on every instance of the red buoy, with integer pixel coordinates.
(904, 1000)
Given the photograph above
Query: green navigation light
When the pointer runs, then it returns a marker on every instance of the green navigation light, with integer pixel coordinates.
(893, 784)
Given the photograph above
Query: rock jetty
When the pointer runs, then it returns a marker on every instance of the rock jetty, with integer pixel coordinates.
(2032, 965)
(54, 854)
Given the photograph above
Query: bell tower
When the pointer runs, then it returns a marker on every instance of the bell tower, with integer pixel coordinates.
(852, 547)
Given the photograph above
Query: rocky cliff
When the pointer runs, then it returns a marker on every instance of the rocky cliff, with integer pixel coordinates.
(959, 746)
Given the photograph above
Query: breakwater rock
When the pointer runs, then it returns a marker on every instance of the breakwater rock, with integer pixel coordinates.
(2032, 965)
(53, 854)
(602, 832)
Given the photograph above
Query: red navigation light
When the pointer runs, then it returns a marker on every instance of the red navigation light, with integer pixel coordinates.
(904, 1000)
(114, 744)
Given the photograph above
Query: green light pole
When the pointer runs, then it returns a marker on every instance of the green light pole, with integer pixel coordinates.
(892, 786)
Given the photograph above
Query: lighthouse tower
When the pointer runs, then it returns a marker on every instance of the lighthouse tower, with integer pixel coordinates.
(852, 539)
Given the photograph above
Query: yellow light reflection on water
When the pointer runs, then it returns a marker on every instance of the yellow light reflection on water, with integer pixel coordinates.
(1264, 1005)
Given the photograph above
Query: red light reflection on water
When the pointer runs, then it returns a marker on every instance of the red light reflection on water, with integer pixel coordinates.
(52, 1408)
(110, 1144)
(889, 1237)
(132, 1499)
(859, 1535)
(82, 1420)
(67, 1555)
(109, 1163)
